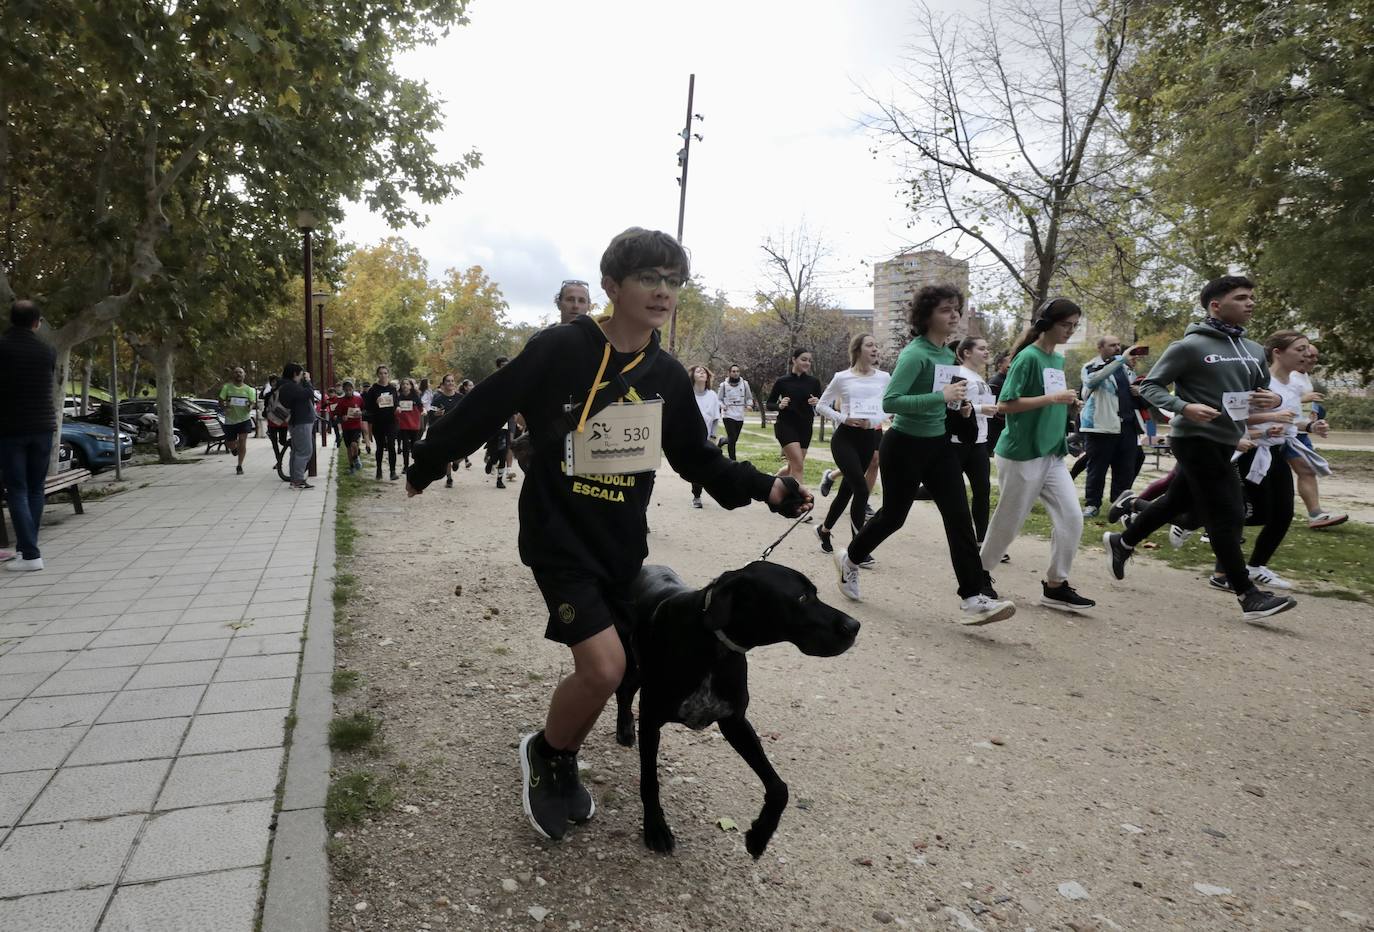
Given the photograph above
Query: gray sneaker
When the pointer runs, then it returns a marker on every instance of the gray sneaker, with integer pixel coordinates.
(541, 790)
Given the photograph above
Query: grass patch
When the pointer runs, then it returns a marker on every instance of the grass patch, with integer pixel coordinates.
(1349, 464)
(96, 492)
(500, 650)
(354, 796)
(351, 732)
(345, 587)
(343, 680)
(347, 488)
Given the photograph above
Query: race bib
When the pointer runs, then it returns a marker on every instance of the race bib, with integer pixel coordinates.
(385, 401)
(238, 401)
(354, 413)
(1054, 381)
(621, 438)
(1237, 404)
(405, 406)
(943, 376)
(869, 408)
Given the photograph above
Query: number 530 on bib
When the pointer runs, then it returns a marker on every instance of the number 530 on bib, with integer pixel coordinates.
(620, 438)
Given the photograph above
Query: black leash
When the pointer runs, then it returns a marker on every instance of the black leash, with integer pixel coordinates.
(769, 549)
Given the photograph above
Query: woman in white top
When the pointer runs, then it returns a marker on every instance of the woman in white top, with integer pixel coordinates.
(853, 401)
(708, 403)
(972, 356)
(1274, 434)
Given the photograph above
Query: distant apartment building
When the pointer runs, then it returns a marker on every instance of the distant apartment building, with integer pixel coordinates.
(895, 283)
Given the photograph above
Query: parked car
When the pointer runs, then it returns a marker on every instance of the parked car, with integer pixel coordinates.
(142, 427)
(93, 445)
(197, 425)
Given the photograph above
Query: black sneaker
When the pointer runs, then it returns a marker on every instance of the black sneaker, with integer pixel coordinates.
(239, 469)
(1257, 604)
(394, 477)
(827, 483)
(1117, 553)
(987, 589)
(448, 483)
(379, 473)
(1123, 505)
(541, 790)
(1064, 598)
(824, 536)
(580, 805)
(499, 483)
(1219, 581)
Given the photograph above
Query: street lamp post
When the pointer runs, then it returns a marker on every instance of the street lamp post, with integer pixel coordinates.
(305, 222)
(329, 356)
(683, 155)
(321, 298)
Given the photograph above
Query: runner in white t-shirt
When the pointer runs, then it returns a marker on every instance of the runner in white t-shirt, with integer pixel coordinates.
(708, 403)
(853, 401)
(1317, 518)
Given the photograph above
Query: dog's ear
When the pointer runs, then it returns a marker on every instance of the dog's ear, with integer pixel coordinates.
(720, 597)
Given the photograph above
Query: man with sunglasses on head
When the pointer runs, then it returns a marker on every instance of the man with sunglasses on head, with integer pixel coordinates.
(573, 300)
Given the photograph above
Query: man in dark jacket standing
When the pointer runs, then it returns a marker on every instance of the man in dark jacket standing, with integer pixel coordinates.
(27, 422)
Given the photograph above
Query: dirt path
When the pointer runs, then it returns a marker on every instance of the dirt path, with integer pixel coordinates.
(941, 777)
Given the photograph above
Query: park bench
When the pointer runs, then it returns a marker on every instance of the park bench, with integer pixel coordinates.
(69, 481)
(1158, 449)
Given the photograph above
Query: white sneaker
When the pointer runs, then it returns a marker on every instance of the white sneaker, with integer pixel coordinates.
(849, 576)
(511, 476)
(1267, 577)
(1178, 536)
(982, 610)
(20, 565)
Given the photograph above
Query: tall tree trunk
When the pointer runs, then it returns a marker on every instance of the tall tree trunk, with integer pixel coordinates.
(59, 394)
(164, 361)
(133, 379)
(86, 386)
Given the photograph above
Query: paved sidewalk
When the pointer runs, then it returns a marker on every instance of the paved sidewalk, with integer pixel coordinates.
(145, 681)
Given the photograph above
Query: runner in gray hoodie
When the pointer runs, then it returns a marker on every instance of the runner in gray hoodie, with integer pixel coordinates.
(1217, 375)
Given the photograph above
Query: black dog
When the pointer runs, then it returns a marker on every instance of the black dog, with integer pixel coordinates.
(688, 652)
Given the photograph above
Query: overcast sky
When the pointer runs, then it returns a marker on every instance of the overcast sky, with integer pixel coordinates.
(576, 108)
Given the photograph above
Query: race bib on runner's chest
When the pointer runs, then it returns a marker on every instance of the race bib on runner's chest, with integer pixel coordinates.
(405, 406)
(1054, 381)
(621, 438)
(1237, 404)
(238, 401)
(867, 408)
(385, 401)
(354, 413)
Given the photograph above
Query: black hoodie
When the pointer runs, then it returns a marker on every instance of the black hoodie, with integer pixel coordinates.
(594, 524)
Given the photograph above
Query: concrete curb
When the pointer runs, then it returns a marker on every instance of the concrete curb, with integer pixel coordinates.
(298, 880)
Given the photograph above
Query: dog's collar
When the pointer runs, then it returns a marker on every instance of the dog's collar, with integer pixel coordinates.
(720, 633)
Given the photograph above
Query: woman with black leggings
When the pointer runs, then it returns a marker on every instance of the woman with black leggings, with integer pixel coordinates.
(854, 402)
(795, 396)
(918, 450)
(972, 356)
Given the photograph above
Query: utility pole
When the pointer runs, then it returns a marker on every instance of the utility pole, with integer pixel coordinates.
(682, 156)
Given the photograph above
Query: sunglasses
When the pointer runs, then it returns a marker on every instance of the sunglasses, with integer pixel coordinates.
(573, 281)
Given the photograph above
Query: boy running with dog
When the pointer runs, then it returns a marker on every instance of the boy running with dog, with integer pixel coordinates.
(601, 402)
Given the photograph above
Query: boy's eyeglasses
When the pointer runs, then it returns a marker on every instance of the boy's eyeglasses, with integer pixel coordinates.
(651, 279)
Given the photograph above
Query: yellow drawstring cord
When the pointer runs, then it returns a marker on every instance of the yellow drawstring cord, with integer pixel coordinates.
(597, 384)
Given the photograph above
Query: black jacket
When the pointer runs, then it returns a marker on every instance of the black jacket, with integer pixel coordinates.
(592, 524)
(299, 398)
(27, 373)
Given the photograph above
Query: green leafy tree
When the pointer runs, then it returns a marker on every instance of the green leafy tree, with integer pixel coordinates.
(111, 113)
(471, 329)
(1254, 120)
(383, 310)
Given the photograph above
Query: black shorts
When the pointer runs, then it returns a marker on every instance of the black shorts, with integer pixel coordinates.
(580, 605)
(352, 434)
(242, 427)
(787, 431)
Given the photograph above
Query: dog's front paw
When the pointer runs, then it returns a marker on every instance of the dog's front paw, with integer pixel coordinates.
(658, 836)
(756, 840)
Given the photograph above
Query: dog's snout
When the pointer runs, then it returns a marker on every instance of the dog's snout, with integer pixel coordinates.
(850, 626)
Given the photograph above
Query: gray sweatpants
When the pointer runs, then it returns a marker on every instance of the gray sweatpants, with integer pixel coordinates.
(1019, 484)
(302, 445)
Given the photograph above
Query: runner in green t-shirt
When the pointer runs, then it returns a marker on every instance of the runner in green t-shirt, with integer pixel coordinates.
(1030, 453)
(238, 400)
